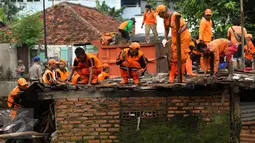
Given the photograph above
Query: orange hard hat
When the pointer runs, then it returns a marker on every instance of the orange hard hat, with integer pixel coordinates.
(62, 61)
(249, 36)
(52, 61)
(105, 65)
(135, 45)
(22, 82)
(208, 12)
(160, 8)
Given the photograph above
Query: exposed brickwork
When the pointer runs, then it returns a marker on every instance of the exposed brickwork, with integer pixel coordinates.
(101, 119)
(87, 119)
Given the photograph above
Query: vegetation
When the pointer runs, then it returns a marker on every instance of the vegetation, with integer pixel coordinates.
(182, 130)
(104, 8)
(9, 10)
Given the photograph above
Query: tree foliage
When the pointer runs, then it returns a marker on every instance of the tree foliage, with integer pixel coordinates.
(104, 8)
(223, 12)
(152, 3)
(28, 31)
(10, 9)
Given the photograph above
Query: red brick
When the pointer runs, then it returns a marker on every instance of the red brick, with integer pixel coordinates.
(67, 134)
(205, 111)
(78, 110)
(64, 138)
(93, 133)
(114, 121)
(88, 114)
(195, 111)
(204, 104)
(116, 117)
(170, 115)
(105, 125)
(115, 109)
(185, 115)
(179, 104)
(88, 121)
(94, 125)
(72, 99)
(60, 119)
(106, 141)
(60, 100)
(92, 110)
(76, 138)
(82, 126)
(100, 113)
(113, 129)
(116, 125)
(200, 100)
(94, 141)
(116, 141)
(100, 121)
(67, 126)
(81, 134)
(173, 97)
(169, 112)
(80, 103)
(75, 122)
(62, 131)
(76, 130)
(70, 142)
(58, 103)
(172, 108)
(74, 114)
(89, 137)
(63, 122)
(186, 101)
(83, 99)
(183, 97)
(105, 133)
(217, 104)
(199, 108)
(176, 101)
(113, 113)
(187, 108)
(101, 129)
(89, 130)
(206, 119)
(113, 137)
(192, 104)
(68, 103)
(108, 117)
(179, 112)
(62, 107)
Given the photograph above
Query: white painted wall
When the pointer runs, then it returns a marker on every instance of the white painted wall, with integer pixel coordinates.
(130, 12)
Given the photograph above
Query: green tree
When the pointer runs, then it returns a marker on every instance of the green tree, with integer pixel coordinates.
(104, 8)
(152, 3)
(10, 9)
(28, 31)
(223, 11)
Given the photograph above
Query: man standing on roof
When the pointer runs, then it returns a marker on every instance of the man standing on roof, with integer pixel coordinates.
(35, 71)
(105, 72)
(126, 27)
(249, 51)
(169, 21)
(205, 28)
(13, 99)
(217, 49)
(49, 77)
(235, 35)
(132, 63)
(87, 66)
(61, 73)
(150, 21)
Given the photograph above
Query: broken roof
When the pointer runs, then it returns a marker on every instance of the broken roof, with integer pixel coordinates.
(69, 23)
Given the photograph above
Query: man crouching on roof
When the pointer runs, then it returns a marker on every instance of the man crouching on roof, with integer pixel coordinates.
(87, 66)
(132, 63)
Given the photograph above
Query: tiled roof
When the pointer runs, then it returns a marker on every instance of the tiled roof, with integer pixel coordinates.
(69, 23)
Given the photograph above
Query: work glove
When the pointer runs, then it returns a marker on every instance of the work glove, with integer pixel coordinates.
(139, 73)
(142, 26)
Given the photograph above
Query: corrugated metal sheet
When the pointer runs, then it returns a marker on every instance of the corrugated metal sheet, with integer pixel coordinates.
(248, 122)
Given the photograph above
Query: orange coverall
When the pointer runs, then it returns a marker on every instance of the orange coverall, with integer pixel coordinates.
(10, 102)
(82, 68)
(218, 47)
(103, 76)
(134, 64)
(248, 55)
(205, 31)
(185, 41)
(62, 75)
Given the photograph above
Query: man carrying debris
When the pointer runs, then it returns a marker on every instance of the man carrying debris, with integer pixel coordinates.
(35, 71)
(132, 63)
(13, 96)
(150, 21)
(87, 66)
(249, 51)
(61, 73)
(217, 49)
(49, 77)
(235, 35)
(126, 27)
(105, 72)
(169, 21)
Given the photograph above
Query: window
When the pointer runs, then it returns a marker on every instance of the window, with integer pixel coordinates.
(36, 0)
(20, 1)
(131, 3)
(13, 0)
(29, 0)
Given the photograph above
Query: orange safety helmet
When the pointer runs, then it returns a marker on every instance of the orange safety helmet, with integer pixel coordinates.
(249, 36)
(62, 61)
(52, 61)
(22, 82)
(208, 12)
(160, 8)
(105, 65)
(135, 45)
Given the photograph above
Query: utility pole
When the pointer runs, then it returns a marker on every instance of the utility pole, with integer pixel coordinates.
(178, 44)
(242, 23)
(44, 27)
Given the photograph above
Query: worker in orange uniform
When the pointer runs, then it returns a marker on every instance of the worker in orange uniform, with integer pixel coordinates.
(49, 77)
(87, 66)
(205, 27)
(234, 35)
(13, 99)
(132, 63)
(169, 21)
(62, 73)
(249, 51)
(105, 72)
(76, 78)
(189, 62)
(125, 28)
(150, 21)
(218, 48)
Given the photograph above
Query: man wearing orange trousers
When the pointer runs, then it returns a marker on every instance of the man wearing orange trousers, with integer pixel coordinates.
(22, 86)
(87, 66)
(218, 48)
(132, 63)
(169, 21)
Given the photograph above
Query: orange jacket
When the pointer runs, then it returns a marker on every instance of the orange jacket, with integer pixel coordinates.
(170, 22)
(11, 96)
(134, 63)
(62, 75)
(238, 30)
(103, 76)
(149, 17)
(49, 76)
(217, 47)
(205, 30)
(249, 56)
(90, 61)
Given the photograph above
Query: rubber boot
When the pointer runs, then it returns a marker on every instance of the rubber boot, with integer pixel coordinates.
(172, 71)
(230, 70)
(189, 67)
(124, 75)
(183, 70)
(135, 77)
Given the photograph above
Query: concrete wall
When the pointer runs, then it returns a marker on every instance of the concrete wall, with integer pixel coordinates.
(6, 87)
(8, 59)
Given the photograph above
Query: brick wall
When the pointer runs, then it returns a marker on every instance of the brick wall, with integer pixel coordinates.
(100, 119)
